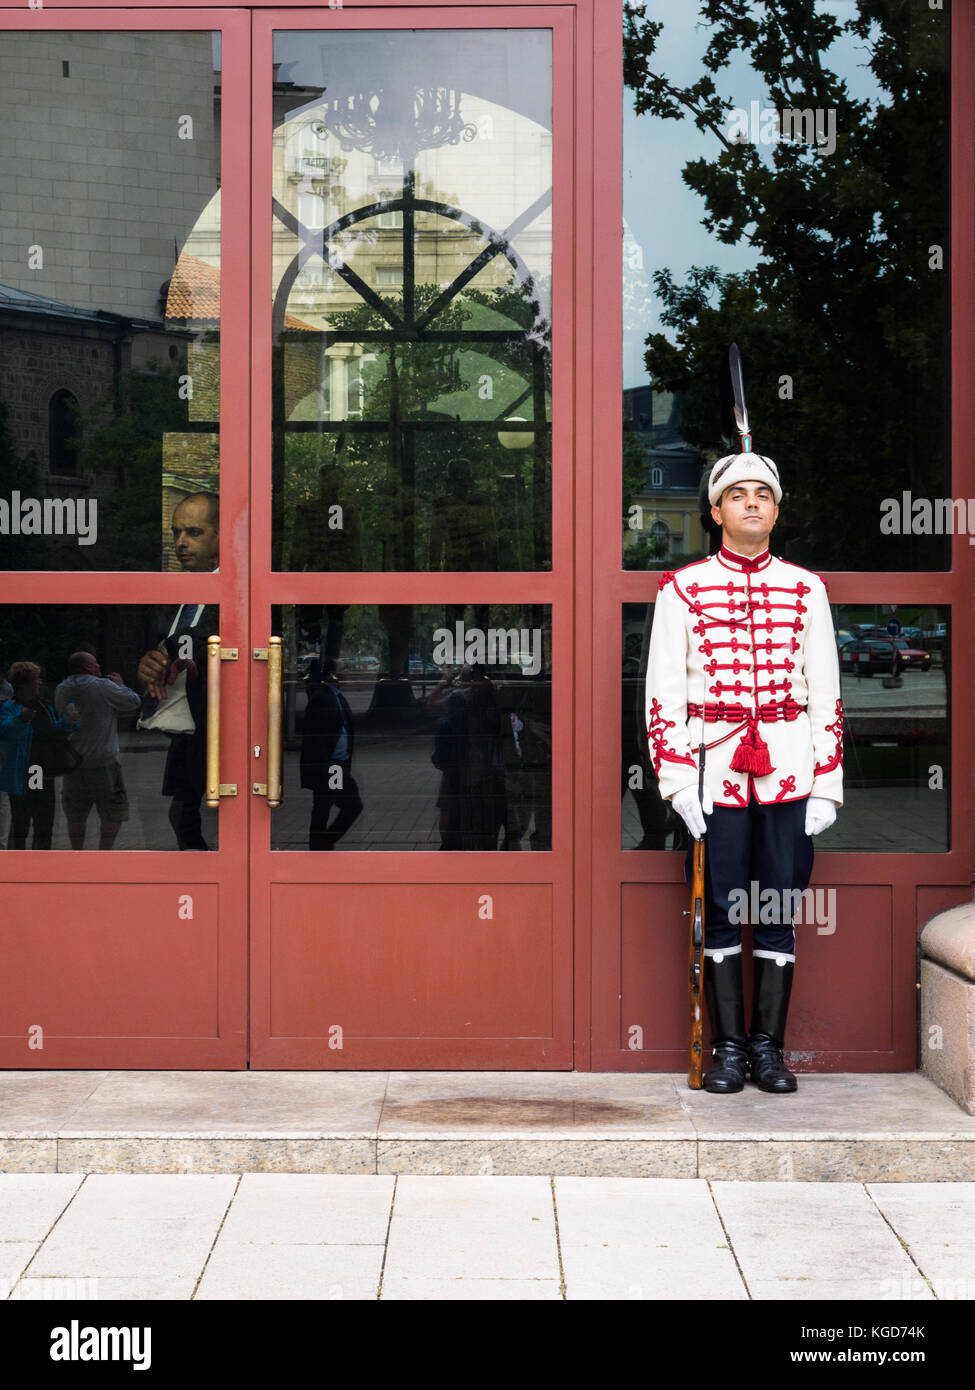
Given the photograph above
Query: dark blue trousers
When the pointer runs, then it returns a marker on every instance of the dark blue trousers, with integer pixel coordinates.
(750, 849)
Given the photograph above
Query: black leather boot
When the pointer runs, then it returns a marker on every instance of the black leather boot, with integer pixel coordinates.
(770, 1008)
(726, 1010)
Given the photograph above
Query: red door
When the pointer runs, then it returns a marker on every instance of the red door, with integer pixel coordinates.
(365, 224)
(117, 950)
(412, 571)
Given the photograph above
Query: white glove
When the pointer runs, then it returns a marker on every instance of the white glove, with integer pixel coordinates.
(688, 806)
(820, 814)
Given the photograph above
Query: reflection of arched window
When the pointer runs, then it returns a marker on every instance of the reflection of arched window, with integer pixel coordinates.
(660, 535)
(64, 430)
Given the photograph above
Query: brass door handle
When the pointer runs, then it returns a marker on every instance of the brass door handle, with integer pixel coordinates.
(274, 668)
(213, 721)
(215, 788)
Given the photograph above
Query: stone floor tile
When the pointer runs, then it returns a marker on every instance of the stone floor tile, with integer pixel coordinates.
(472, 1228)
(137, 1227)
(642, 1238)
(809, 1236)
(532, 1104)
(30, 1203)
(895, 1105)
(38, 1103)
(454, 1290)
(244, 1103)
(15, 1256)
(309, 1209)
(329, 1273)
(937, 1220)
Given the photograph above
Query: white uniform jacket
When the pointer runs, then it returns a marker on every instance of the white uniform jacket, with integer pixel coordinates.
(745, 650)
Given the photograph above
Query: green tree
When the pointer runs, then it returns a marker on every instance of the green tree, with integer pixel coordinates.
(843, 319)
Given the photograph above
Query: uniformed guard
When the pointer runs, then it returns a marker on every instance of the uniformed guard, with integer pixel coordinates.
(743, 659)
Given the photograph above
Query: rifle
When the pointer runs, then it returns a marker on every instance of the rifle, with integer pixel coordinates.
(696, 953)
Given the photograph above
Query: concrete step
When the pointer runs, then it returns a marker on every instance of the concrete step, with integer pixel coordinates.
(891, 1127)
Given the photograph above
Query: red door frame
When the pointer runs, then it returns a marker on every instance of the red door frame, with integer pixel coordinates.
(652, 947)
(275, 1042)
(109, 930)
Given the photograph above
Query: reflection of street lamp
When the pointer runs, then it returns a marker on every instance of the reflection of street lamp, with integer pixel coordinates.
(516, 439)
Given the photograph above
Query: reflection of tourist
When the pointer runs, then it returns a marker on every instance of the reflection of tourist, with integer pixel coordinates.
(95, 701)
(468, 751)
(327, 741)
(196, 532)
(528, 766)
(463, 530)
(183, 652)
(6, 693)
(30, 730)
(180, 661)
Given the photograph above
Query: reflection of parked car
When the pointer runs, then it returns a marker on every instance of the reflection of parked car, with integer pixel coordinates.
(913, 656)
(360, 663)
(870, 656)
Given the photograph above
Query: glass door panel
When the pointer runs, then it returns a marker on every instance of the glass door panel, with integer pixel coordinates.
(412, 268)
(110, 296)
(406, 590)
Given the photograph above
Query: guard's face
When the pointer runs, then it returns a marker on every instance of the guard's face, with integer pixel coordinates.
(195, 540)
(747, 513)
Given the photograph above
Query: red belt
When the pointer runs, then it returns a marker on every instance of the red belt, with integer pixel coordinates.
(768, 713)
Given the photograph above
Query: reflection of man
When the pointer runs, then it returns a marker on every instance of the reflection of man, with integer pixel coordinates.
(743, 658)
(95, 701)
(327, 741)
(183, 649)
(196, 532)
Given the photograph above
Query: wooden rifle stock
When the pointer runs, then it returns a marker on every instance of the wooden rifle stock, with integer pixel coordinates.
(696, 953)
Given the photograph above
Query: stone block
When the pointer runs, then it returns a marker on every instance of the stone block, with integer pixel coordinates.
(948, 1032)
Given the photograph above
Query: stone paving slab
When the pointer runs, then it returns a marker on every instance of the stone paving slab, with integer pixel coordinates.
(308, 1209)
(640, 1238)
(577, 1105)
(937, 1222)
(126, 1226)
(30, 1203)
(447, 1229)
(812, 1241)
(877, 1128)
(246, 1103)
(301, 1236)
(326, 1272)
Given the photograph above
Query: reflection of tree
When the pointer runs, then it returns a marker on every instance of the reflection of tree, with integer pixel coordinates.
(124, 453)
(413, 381)
(841, 298)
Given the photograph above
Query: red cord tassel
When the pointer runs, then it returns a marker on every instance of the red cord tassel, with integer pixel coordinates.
(752, 754)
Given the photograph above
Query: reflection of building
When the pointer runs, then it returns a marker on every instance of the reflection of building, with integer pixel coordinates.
(121, 154)
(62, 377)
(667, 513)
